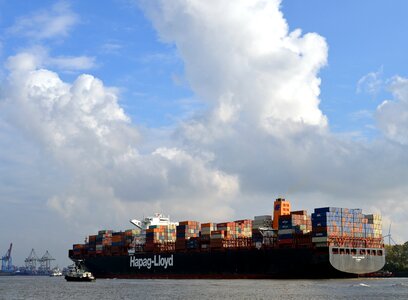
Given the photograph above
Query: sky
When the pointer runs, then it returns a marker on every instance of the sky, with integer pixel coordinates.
(204, 110)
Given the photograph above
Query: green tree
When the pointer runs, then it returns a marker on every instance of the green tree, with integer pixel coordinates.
(396, 258)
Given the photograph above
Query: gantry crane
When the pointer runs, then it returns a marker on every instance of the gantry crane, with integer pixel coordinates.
(31, 262)
(45, 262)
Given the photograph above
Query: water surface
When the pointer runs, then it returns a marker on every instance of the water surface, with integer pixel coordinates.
(26, 287)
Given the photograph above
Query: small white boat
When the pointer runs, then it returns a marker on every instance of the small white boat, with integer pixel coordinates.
(55, 272)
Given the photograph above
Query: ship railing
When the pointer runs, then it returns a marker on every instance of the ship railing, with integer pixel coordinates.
(355, 242)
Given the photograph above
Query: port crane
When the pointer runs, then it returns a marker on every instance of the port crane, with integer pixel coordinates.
(31, 262)
(45, 262)
(6, 261)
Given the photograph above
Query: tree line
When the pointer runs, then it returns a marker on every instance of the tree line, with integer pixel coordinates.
(396, 259)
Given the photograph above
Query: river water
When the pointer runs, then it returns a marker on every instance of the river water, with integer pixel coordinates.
(41, 288)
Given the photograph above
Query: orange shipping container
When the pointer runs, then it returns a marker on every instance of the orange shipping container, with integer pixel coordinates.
(190, 223)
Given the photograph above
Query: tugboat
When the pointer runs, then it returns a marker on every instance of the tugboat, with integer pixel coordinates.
(77, 273)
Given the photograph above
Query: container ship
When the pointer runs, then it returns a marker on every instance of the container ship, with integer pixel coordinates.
(329, 243)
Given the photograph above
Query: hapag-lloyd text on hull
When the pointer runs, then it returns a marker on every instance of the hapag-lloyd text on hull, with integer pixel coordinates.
(156, 261)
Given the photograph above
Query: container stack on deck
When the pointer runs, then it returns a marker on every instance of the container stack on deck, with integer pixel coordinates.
(118, 242)
(109, 242)
(121, 240)
(160, 236)
(373, 227)
(224, 232)
(78, 249)
(205, 235)
(293, 227)
(327, 226)
(374, 236)
(260, 224)
(345, 227)
(186, 231)
(232, 234)
(103, 241)
(135, 237)
(92, 245)
(228, 229)
(243, 229)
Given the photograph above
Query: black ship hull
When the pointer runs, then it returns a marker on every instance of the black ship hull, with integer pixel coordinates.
(235, 263)
(78, 279)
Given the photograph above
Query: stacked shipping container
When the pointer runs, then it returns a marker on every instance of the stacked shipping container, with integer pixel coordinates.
(159, 235)
(293, 227)
(376, 222)
(103, 241)
(243, 229)
(206, 229)
(334, 226)
(260, 225)
(373, 230)
(262, 222)
(231, 234)
(108, 242)
(185, 231)
(327, 226)
(225, 231)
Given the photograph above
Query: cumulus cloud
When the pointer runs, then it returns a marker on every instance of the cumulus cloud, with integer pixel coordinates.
(259, 80)
(88, 135)
(46, 24)
(241, 59)
(392, 115)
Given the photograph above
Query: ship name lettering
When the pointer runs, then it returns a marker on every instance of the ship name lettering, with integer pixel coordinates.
(156, 261)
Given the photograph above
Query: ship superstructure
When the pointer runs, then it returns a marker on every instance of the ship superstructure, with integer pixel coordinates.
(157, 220)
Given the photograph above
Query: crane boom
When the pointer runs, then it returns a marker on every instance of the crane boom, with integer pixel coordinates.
(8, 255)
